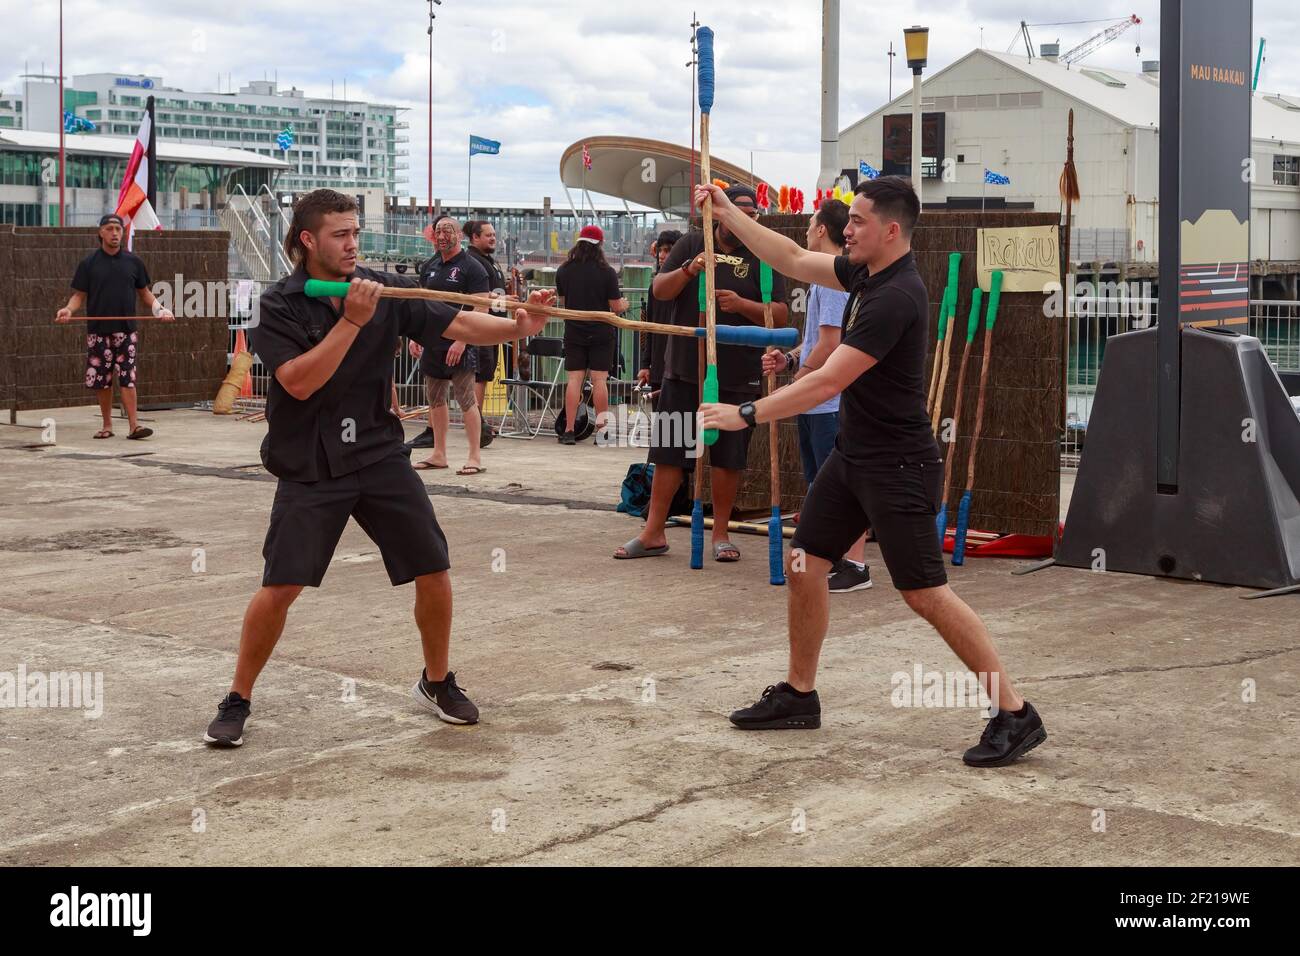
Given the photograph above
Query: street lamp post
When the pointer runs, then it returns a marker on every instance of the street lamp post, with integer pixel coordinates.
(432, 17)
(916, 40)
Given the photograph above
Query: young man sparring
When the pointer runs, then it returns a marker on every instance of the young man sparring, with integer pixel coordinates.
(885, 472)
(336, 447)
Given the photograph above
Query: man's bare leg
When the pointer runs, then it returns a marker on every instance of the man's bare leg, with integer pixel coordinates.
(725, 482)
(105, 398)
(433, 618)
(263, 624)
(969, 639)
(663, 486)
(572, 396)
(858, 550)
(440, 422)
(473, 419)
(128, 406)
(808, 613)
(600, 396)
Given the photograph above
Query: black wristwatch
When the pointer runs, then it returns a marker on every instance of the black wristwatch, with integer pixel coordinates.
(747, 413)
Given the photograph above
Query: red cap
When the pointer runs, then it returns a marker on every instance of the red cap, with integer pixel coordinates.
(591, 234)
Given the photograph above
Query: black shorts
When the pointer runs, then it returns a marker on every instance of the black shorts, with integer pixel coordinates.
(897, 499)
(672, 431)
(434, 364)
(389, 502)
(590, 350)
(107, 355)
(487, 363)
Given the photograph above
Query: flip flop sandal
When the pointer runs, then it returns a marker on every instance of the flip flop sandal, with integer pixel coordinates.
(723, 547)
(104, 433)
(470, 470)
(426, 466)
(140, 432)
(635, 549)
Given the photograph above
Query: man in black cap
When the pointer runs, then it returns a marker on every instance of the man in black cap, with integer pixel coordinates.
(739, 302)
(108, 282)
(653, 347)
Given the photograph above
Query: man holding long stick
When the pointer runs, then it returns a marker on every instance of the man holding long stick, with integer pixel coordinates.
(885, 471)
(336, 447)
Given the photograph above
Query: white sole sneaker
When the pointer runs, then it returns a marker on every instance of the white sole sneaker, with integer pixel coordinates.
(424, 700)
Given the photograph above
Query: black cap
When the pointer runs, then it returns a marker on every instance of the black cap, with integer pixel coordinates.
(732, 192)
(111, 217)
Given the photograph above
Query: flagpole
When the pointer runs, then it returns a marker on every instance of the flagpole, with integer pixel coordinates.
(151, 153)
(62, 130)
(469, 179)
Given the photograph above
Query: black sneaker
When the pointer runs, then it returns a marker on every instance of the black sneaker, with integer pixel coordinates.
(445, 699)
(422, 440)
(568, 439)
(780, 709)
(228, 729)
(1007, 737)
(850, 577)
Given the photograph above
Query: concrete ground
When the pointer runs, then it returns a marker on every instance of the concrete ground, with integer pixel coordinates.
(604, 688)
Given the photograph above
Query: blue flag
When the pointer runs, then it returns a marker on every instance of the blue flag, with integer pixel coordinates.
(867, 170)
(76, 124)
(477, 144)
(996, 179)
(285, 138)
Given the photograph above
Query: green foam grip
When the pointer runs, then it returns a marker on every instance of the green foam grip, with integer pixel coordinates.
(995, 294)
(973, 323)
(711, 395)
(765, 281)
(704, 295)
(320, 288)
(943, 313)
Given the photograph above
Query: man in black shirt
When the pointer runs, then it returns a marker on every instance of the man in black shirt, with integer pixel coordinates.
(108, 282)
(482, 249)
(885, 471)
(335, 445)
(654, 347)
(739, 302)
(451, 366)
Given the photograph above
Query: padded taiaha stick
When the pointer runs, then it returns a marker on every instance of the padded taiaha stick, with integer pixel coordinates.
(751, 336)
(224, 402)
(972, 326)
(704, 43)
(125, 318)
(936, 411)
(963, 509)
(775, 542)
(954, 259)
(697, 509)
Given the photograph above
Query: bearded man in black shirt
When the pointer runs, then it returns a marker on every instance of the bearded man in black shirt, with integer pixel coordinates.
(885, 471)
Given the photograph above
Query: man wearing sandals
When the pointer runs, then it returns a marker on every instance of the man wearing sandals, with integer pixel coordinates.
(108, 282)
(739, 302)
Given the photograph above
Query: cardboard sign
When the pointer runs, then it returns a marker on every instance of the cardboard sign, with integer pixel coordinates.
(1029, 257)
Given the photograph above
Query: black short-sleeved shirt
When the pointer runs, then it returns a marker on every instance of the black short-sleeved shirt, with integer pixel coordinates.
(739, 367)
(496, 278)
(348, 423)
(460, 273)
(110, 284)
(589, 287)
(882, 413)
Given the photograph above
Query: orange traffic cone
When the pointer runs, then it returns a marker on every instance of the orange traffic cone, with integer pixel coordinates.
(241, 345)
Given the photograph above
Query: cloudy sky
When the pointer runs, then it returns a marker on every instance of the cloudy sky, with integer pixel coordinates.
(543, 74)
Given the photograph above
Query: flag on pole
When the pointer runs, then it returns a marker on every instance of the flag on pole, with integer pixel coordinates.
(867, 170)
(477, 144)
(76, 124)
(996, 179)
(133, 203)
(285, 138)
(586, 157)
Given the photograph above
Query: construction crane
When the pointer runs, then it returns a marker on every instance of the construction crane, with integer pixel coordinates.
(1099, 40)
(1088, 46)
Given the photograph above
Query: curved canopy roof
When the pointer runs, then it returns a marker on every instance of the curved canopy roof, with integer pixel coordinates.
(643, 171)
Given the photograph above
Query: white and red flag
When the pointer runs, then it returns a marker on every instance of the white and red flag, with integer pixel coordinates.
(133, 203)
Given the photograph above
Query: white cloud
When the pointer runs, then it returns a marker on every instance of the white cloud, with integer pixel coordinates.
(541, 75)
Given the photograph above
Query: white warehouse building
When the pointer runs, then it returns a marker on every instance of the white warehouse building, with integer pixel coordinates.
(1008, 113)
